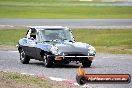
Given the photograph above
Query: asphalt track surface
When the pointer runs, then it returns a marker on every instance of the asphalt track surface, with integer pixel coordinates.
(103, 64)
(72, 23)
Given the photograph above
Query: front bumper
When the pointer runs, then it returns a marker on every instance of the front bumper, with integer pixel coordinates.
(73, 57)
(76, 58)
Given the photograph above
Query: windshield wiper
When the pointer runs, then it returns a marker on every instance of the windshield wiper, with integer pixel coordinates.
(70, 41)
(51, 40)
(67, 40)
(48, 41)
(58, 40)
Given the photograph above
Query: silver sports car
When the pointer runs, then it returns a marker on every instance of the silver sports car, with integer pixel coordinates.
(54, 44)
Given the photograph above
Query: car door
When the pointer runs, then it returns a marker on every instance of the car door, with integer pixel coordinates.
(31, 44)
(31, 47)
(38, 46)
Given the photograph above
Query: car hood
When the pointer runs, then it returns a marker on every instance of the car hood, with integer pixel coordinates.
(73, 48)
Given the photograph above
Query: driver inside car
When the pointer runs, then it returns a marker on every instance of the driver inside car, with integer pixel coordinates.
(33, 34)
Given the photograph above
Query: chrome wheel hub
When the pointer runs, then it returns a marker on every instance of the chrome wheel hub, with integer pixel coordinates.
(22, 55)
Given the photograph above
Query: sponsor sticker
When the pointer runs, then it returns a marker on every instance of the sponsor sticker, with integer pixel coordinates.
(83, 78)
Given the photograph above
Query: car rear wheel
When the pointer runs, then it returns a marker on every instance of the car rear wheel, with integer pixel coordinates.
(48, 61)
(86, 63)
(23, 57)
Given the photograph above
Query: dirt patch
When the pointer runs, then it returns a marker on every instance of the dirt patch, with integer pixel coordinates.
(11, 27)
(16, 80)
(6, 83)
(8, 47)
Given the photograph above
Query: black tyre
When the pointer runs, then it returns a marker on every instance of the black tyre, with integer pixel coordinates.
(48, 61)
(23, 57)
(86, 63)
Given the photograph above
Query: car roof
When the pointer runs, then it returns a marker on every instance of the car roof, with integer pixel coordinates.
(48, 27)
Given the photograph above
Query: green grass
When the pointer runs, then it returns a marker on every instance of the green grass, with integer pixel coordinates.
(108, 40)
(43, 2)
(48, 9)
(110, 37)
(10, 36)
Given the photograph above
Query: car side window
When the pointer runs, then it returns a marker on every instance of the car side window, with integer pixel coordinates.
(38, 37)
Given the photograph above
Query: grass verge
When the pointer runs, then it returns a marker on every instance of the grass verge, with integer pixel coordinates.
(116, 41)
(15, 80)
(60, 9)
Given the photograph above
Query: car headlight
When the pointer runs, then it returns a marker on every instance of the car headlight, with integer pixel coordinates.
(92, 50)
(55, 50)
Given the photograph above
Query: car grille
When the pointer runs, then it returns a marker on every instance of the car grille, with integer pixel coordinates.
(76, 55)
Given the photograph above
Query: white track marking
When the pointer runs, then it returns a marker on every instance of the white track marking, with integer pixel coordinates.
(56, 79)
(13, 51)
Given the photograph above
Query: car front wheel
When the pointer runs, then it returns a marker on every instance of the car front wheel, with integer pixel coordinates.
(48, 61)
(86, 63)
(23, 57)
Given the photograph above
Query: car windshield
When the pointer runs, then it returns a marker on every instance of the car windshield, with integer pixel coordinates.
(57, 34)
